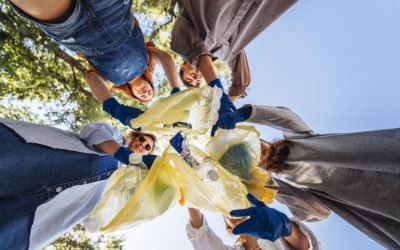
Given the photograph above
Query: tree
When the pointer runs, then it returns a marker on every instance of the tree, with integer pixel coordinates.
(78, 238)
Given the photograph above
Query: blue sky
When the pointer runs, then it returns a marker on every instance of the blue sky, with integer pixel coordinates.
(335, 63)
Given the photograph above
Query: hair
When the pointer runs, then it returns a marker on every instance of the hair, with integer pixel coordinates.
(278, 154)
(237, 159)
(185, 83)
(132, 135)
(126, 88)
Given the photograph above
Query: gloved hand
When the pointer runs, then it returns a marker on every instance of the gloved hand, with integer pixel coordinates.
(123, 153)
(121, 112)
(175, 90)
(176, 142)
(264, 222)
(229, 120)
(226, 103)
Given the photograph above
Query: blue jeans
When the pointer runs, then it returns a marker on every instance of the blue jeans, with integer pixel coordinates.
(31, 174)
(106, 33)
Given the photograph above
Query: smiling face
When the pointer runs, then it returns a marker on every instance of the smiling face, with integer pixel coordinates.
(142, 143)
(142, 89)
(190, 75)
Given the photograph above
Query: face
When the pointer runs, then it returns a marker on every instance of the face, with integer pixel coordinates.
(191, 75)
(142, 89)
(142, 144)
(265, 147)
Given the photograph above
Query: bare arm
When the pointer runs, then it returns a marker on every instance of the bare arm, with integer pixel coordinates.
(108, 147)
(206, 68)
(298, 240)
(98, 86)
(168, 65)
(44, 10)
(196, 217)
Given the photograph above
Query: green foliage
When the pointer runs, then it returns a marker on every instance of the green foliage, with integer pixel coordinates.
(78, 238)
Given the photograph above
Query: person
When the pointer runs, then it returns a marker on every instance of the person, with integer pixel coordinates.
(221, 29)
(109, 36)
(266, 228)
(353, 174)
(41, 162)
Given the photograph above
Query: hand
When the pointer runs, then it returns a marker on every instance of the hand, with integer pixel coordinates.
(226, 103)
(121, 112)
(175, 90)
(176, 142)
(228, 120)
(123, 153)
(264, 222)
(225, 121)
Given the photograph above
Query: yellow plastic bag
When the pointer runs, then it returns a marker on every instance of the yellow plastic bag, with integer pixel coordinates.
(198, 107)
(170, 181)
(252, 176)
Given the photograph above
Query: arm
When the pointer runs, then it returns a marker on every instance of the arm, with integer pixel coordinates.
(297, 239)
(303, 205)
(168, 65)
(201, 235)
(195, 217)
(301, 238)
(106, 139)
(98, 86)
(240, 76)
(280, 118)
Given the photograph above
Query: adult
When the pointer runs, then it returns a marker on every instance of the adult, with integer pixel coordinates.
(40, 162)
(109, 36)
(222, 29)
(265, 229)
(354, 174)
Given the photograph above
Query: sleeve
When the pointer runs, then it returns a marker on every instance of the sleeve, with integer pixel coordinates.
(240, 75)
(280, 118)
(96, 133)
(204, 238)
(312, 238)
(303, 205)
(186, 42)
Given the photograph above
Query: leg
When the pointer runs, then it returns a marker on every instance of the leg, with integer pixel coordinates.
(45, 10)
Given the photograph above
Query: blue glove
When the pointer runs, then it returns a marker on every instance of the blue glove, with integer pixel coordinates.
(175, 90)
(264, 222)
(229, 120)
(226, 103)
(123, 153)
(121, 112)
(176, 142)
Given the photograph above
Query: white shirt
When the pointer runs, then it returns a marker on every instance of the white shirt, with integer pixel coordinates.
(205, 238)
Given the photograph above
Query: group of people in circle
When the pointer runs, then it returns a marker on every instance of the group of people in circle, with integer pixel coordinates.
(43, 167)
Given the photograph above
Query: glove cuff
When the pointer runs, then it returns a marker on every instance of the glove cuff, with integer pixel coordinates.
(175, 90)
(217, 83)
(287, 225)
(243, 113)
(109, 104)
(122, 155)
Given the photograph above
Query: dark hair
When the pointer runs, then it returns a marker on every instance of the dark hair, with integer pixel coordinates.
(278, 154)
(185, 83)
(132, 135)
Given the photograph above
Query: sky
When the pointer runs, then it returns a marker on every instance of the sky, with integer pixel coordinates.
(336, 64)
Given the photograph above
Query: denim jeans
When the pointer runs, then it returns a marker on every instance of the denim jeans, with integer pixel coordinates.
(31, 174)
(106, 33)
